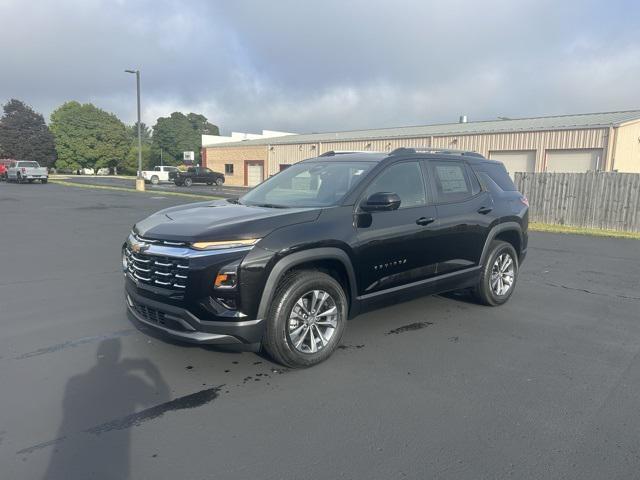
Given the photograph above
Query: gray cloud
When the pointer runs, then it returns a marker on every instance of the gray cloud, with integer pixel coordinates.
(324, 65)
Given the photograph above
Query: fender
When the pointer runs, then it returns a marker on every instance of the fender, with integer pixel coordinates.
(501, 227)
(298, 258)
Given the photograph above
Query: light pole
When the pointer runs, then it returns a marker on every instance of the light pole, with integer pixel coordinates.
(139, 179)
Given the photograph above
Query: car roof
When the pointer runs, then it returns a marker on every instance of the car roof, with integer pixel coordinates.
(471, 157)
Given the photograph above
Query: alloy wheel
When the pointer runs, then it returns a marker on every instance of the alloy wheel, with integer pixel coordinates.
(502, 274)
(312, 322)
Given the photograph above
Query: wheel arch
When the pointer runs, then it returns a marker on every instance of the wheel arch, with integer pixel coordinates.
(510, 232)
(333, 259)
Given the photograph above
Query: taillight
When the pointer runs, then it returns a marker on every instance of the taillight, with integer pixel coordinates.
(24, 170)
(524, 201)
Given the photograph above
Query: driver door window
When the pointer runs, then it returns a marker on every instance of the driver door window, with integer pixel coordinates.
(405, 180)
(395, 246)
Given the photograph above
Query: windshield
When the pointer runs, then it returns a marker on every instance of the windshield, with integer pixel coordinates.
(308, 184)
(28, 164)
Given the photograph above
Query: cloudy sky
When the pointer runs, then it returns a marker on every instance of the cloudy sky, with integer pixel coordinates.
(319, 65)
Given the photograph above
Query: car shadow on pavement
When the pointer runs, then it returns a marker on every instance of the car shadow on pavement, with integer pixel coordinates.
(465, 296)
(113, 388)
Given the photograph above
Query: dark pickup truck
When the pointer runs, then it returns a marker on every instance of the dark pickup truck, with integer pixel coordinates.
(196, 175)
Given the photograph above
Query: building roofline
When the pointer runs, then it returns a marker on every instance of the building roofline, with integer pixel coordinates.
(378, 133)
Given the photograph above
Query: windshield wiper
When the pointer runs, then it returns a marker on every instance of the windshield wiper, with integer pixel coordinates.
(268, 205)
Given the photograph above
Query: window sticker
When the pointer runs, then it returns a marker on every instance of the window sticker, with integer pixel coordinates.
(452, 179)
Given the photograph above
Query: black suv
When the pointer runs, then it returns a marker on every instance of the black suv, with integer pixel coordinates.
(285, 266)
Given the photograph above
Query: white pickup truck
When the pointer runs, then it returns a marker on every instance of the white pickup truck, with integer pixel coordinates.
(27, 171)
(158, 174)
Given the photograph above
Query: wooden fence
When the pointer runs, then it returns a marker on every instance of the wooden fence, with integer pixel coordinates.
(593, 199)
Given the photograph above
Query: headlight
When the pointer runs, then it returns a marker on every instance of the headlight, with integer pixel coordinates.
(125, 263)
(225, 244)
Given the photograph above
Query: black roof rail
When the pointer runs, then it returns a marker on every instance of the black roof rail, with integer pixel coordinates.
(445, 151)
(333, 153)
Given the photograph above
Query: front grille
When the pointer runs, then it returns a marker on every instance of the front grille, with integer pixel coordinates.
(156, 270)
(153, 241)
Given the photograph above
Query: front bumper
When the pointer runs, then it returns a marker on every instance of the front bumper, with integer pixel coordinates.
(183, 325)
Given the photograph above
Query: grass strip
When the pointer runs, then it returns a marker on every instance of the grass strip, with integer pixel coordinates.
(596, 232)
(130, 190)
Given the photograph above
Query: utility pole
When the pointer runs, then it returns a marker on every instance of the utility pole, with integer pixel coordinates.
(160, 156)
(139, 179)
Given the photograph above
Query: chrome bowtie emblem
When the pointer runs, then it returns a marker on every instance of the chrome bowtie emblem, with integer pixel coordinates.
(139, 247)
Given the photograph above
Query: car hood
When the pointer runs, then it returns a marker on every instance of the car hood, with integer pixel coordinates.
(220, 220)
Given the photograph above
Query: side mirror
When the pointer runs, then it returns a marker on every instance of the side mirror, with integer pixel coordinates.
(381, 201)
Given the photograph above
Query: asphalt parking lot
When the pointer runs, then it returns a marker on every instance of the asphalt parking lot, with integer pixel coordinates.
(197, 189)
(547, 386)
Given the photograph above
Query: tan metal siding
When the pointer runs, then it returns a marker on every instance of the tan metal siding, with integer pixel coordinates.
(288, 154)
(626, 157)
(481, 143)
(539, 141)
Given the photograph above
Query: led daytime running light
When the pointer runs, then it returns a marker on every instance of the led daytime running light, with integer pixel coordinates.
(224, 244)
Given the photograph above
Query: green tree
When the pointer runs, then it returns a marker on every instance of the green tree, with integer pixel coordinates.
(179, 133)
(130, 164)
(202, 125)
(24, 135)
(144, 130)
(87, 136)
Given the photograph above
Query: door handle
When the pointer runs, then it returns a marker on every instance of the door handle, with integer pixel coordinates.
(425, 220)
(484, 210)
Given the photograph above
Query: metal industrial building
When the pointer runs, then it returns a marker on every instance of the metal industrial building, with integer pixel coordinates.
(569, 143)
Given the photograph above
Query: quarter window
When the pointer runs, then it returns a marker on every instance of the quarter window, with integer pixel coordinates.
(405, 180)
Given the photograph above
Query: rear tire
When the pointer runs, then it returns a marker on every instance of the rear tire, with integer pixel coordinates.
(155, 180)
(498, 276)
(299, 342)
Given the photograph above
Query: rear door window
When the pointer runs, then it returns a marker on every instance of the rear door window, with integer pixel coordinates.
(453, 182)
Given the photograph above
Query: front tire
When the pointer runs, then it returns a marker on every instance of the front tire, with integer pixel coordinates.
(188, 182)
(499, 275)
(306, 320)
(219, 181)
(44, 180)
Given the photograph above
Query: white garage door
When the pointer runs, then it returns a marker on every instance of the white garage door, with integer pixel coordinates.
(516, 160)
(574, 160)
(254, 175)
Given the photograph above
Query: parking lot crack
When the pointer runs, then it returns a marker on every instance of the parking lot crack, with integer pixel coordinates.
(589, 292)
